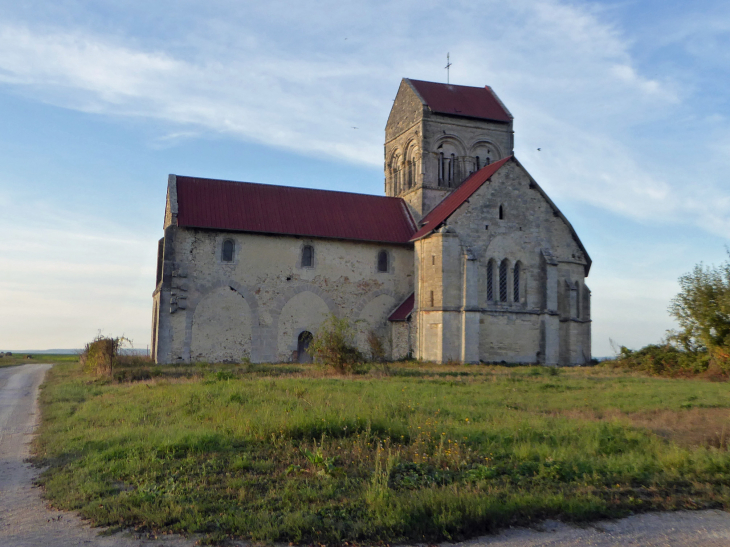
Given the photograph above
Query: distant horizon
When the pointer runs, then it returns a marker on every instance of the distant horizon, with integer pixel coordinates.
(620, 113)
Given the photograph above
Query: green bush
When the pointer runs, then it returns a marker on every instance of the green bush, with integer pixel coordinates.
(663, 360)
(333, 345)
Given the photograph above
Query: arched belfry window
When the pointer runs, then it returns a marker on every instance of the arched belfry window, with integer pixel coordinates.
(477, 163)
(441, 169)
(410, 173)
(503, 267)
(307, 256)
(516, 282)
(228, 250)
(383, 261)
(452, 165)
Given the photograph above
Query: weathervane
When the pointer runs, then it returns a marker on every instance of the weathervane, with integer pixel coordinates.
(448, 65)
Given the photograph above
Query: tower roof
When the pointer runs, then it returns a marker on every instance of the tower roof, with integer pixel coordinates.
(266, 208)
(461, 100)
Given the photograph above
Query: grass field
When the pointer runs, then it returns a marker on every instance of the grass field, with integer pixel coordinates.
(26, 359)
(414, 453)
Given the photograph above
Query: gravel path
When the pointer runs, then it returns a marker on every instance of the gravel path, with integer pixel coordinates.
(25, 521)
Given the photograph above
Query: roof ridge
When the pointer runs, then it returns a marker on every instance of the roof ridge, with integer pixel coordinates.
(453, 201)
(266, 185)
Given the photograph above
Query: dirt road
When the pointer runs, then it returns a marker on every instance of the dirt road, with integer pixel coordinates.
(25, 521)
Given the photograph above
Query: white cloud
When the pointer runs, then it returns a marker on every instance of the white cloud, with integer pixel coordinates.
(300, 77)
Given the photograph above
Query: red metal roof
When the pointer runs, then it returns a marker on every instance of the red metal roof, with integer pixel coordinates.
(404, 310)
(461, 100)
(264, 208)
(454, 200)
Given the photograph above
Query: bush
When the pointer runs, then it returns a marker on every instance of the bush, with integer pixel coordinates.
(333, 345)
(663, 360)
(377, 348)
(101, 356)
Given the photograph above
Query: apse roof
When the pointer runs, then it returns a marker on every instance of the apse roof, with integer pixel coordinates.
(270, 209)
(404, 310)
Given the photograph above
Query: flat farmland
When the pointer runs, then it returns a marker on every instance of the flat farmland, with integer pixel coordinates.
(402, 453)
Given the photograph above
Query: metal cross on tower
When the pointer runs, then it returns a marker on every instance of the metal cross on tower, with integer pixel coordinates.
(448, 65)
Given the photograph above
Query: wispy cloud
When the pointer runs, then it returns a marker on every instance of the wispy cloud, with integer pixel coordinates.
(643, 139)
(567, 75)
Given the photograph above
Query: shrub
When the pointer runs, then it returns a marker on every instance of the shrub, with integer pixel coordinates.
(377, 348)
(333, 345)
(663, 360)
(101, 355)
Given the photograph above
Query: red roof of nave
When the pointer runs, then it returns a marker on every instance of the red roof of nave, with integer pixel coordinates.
(462, 100)
(270, 209)
(456, 198)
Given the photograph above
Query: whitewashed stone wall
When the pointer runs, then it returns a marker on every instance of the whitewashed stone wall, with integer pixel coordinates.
(550, 322)
(256, 306)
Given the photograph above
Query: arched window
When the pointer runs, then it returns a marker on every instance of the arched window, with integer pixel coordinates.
(383, 261)
(503, 281)
(307, 256)
(410, 173)
(441, 168)
(303, 341)
(490, 281)
(478, 165)
(516, 282)
(452, 164)
(501, 212)
(229, 248)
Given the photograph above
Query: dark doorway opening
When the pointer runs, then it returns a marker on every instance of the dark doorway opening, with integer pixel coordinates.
(305, 338)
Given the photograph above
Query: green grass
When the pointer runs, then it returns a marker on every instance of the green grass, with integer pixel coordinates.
(426, 453)
(26, 359)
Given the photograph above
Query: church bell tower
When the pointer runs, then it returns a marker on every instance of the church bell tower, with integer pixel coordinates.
(439, 134)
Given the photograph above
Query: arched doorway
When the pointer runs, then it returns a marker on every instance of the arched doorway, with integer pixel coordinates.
(305, 338)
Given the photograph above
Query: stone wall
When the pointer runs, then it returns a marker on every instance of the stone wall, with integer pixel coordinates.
(414, 133)
(256, 306)
(549, 321)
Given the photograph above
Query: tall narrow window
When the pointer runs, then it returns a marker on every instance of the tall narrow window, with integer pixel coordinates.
(577, 300)
(307, 256)
(441, 168)
(501, 212)
(383, 261)
(477, 163)
(410, 174)
(229, 248)
(516, 283)
(452, 164)
(503, 281)
(490, 281)
(432, 299)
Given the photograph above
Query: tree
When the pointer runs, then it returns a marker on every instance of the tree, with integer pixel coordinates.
(702, 309)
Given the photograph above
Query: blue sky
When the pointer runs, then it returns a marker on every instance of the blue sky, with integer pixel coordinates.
(100, 101)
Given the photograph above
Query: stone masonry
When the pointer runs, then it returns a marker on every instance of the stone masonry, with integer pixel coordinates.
(497, 272)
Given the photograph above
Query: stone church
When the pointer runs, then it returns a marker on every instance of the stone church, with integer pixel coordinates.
(464, 259)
